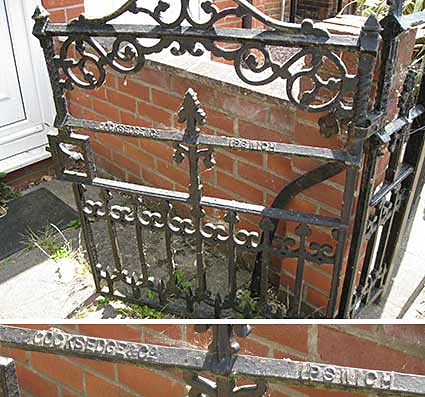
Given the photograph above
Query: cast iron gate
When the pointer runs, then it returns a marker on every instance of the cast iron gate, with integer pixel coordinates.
(215, 372)
(80, 60)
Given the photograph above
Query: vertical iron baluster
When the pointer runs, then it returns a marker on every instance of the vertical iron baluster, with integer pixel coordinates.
(171, 267)
(232, 218)
(193, 115)
(267, 227)
(195, 191)
(303, 231)
(140, 239)
(107, 196)
(87, 233)
(363, 285)
(380, 269)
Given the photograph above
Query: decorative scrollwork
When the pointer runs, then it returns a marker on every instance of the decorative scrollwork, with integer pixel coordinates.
(68, 151)
(95, 209)
(244, 238)
(182, 226)
(320, 253)
(152, 219)
(127, 55)
(286, 246)
(201, 386)
(122, 214)
(252, 60)
(216, 233)
(252, 63)
(314, 252)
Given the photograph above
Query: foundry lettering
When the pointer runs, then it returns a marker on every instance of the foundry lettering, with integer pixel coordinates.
(84, 344)
(346, 376)
(252, 145)
(128, 129)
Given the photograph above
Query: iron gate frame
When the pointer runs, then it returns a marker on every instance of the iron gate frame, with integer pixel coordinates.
(221, 361)
(405, 140)
(190, 143)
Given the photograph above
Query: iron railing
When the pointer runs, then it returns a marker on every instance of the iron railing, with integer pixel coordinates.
(215, 372)
(347, 106)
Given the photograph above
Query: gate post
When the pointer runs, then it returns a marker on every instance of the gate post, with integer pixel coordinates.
(367, 61)
(373, 271)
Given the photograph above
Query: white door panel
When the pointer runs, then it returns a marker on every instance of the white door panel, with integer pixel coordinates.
(27, 105)
(11, 103)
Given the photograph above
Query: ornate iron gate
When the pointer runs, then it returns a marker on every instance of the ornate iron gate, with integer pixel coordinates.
(216, 372)
(81, 60)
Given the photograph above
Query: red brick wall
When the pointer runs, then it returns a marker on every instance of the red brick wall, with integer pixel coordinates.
(20, 179)
(64, 10)
(381, 347)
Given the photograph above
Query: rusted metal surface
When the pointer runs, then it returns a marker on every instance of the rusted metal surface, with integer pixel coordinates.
(222, 363)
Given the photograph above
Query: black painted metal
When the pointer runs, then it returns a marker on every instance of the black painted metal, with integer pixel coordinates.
(247, 20)
(87, 69)
(216, 372)
(292, 10)
(382, 214)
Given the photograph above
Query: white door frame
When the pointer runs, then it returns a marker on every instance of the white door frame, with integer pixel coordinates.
(25, 141)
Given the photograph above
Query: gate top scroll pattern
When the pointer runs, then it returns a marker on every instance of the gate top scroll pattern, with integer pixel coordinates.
(82, 60)
(215, 373)
(252, 58)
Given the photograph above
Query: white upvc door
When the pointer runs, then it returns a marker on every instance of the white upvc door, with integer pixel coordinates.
(26, 105)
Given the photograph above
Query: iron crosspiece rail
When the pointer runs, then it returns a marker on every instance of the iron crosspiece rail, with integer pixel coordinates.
(221, 361)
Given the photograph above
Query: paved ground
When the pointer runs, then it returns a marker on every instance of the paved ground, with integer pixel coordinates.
(33, 286)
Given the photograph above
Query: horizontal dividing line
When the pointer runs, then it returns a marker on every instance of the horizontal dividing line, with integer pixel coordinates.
(241, 144)
(307, 374)
(232, 35)
(404, 172)
(217, 203)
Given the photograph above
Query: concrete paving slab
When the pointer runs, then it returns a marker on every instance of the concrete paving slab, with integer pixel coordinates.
(32, 286)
